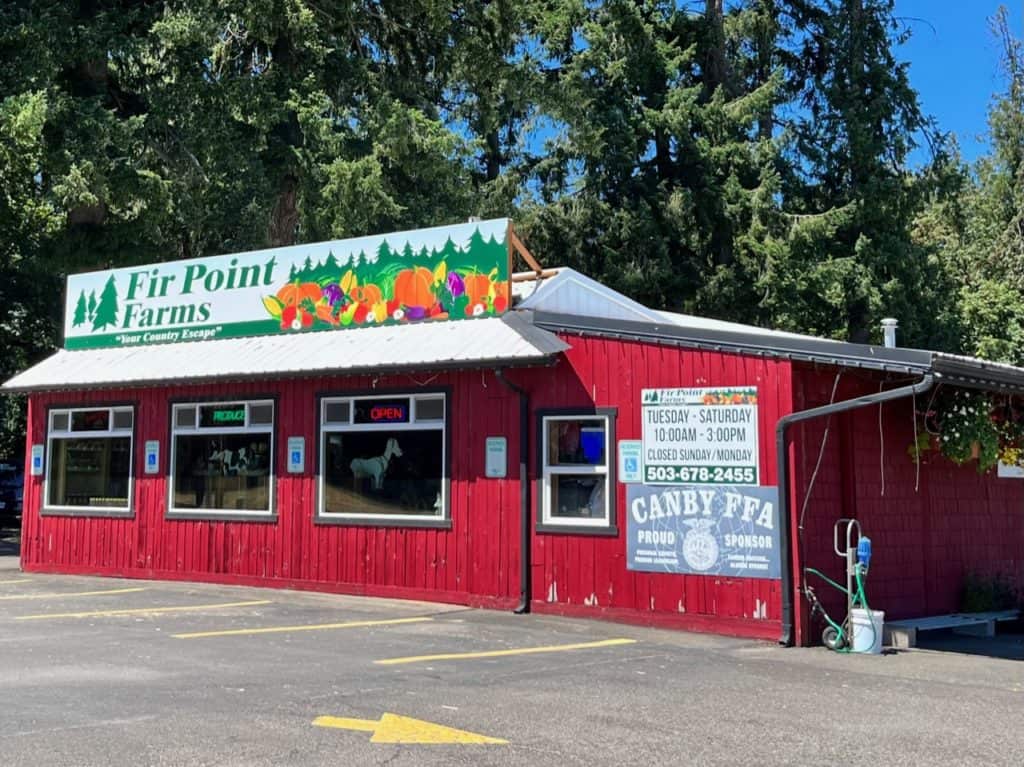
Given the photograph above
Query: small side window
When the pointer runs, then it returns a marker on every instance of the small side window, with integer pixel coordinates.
(575, 473)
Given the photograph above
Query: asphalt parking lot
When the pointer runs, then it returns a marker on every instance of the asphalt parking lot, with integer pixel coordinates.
(113, 672)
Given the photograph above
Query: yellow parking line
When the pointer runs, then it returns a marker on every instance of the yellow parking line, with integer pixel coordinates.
(71, 594)
(140, 611)
(18, 580)
(503, 653)
(306, 627)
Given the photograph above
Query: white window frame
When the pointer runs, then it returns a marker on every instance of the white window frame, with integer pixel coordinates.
(548, 518)
(413, 424)
(108, 433)
(197, 430)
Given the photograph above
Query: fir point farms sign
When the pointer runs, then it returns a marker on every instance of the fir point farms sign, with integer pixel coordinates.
(451, 272)
(700, 436)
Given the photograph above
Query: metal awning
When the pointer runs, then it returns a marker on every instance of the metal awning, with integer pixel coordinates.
(510, 340)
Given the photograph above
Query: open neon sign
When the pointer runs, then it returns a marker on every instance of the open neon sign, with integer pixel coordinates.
(382, 411)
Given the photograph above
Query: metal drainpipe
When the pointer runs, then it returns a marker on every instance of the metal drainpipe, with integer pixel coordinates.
(782, 454)
(524, 493)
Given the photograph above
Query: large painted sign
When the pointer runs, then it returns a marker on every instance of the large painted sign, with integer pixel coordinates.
(703, 530)
(452, 272)
(700, 436)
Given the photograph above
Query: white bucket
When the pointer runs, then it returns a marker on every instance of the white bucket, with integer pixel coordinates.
(867, 630)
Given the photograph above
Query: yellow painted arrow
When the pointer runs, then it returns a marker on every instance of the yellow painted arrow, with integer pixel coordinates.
(392, 728)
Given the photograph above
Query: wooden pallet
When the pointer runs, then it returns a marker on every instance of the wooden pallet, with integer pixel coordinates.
(903, 633)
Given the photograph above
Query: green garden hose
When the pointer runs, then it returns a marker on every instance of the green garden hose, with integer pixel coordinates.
(859, 600)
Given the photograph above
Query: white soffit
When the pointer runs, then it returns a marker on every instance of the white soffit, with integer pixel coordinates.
(497, 341)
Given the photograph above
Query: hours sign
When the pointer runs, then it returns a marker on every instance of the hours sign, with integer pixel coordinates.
(700, 436)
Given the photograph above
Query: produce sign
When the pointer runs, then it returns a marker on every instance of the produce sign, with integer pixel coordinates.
(453, 272)
(700, 436)
(703, 530)
(223, 415)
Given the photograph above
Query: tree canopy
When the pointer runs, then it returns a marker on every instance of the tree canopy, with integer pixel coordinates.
(745, 160)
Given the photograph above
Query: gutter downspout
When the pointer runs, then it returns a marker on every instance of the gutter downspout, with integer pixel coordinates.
(524, 493)
(782, 456)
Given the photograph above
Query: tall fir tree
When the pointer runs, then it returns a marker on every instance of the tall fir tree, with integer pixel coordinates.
(849, 195)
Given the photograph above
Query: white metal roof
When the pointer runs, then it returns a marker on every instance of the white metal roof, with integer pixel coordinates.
(570, 292)
(707, 323)
(509, 339)
(567, 291)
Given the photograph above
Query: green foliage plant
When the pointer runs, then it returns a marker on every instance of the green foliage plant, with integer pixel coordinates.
(988, 593)
(968, 429)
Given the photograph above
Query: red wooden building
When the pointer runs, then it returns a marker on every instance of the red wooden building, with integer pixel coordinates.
(441, 461)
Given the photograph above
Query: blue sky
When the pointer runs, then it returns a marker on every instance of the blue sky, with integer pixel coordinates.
(954, 62)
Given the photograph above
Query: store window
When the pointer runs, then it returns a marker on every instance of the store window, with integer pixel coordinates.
(90, 460)
(222, 458)
(383, 459)
(577, 489)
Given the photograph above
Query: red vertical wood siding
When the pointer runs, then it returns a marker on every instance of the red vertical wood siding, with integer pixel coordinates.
(293, 551)
(587, 575)
(475, 562)
(928, 530)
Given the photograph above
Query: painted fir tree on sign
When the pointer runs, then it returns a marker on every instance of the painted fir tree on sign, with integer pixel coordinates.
(106, 310)
(81, 311)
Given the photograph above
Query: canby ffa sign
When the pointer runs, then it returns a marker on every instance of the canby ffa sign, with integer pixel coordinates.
(703, 530)
(700, 436)
(452, 272)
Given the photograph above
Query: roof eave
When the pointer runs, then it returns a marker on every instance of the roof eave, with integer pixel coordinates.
(545, 360)
(978, 374)
(898, 360)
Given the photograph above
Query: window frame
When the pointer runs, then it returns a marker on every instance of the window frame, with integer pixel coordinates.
(226, 515)
(47, 509)
(546, 522)
(442, 521)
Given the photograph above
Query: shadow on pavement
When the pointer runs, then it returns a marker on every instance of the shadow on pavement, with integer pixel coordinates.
(1008, 646)
(10, 541)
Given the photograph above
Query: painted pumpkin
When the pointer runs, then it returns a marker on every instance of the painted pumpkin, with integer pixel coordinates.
(294, 293)
(367, 294)
(415, 287)
(478, 288)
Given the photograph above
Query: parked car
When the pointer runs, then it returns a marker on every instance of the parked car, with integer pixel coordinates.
(12, 487)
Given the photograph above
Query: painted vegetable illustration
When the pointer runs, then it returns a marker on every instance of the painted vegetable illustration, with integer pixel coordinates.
(415, 287)
(387, 286)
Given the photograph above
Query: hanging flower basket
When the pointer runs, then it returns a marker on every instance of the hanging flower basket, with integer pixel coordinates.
(965, 426)
(968, 428)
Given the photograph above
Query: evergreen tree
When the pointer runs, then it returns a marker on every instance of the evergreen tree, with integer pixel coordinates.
(974, 223)
(449, 251)
(92, 305)
(658, 183)
(106, 311)
(80, 311)
(851, 259)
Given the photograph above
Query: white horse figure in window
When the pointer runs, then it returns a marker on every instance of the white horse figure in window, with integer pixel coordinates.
(375, 468)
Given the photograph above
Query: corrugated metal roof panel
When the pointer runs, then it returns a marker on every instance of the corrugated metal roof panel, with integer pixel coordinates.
(569, 292)
(707, 323)
(510, 339)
